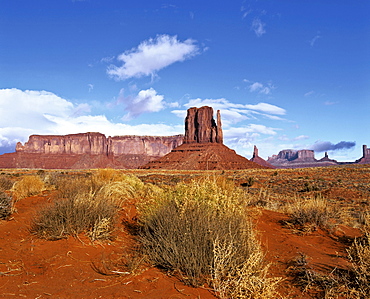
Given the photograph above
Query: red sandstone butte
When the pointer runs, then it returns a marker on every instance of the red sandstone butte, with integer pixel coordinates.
(203, 147)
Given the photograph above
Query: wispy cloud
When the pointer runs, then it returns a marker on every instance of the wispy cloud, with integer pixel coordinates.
(260, 88)
(151, 56)
(310, 93)
(258, 27)
(329, 103)
(315, 39)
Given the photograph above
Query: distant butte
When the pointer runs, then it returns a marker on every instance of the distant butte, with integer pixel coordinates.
(257, 159)
(203, 147)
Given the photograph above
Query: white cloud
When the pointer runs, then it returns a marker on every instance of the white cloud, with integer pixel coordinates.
(151, 56)
(255, 86)
(315, 39)
(145, 101)
(238, 132)
(258, 27)
(233, 113)
(260, 88)
(301, 137)
(267, 108)
(310, 93)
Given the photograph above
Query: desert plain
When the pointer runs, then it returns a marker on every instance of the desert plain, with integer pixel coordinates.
(309, 258)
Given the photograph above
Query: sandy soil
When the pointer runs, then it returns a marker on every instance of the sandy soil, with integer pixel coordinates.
(69, 268)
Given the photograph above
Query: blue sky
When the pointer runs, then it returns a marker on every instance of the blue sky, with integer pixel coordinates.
(285, 74)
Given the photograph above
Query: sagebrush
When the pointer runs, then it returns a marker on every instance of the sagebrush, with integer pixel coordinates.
(6, 205)
(27, 186)
(201, 232)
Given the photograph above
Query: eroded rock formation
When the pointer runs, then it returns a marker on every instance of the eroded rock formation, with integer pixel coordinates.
(200, 127)
(203, 147)
(365, 159)
(298, 159)
(89, 150)
(257, 159)
(99, 144)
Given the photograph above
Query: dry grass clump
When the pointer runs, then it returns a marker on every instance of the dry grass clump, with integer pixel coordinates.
(359, 255)
(201, 232)
(104, 176)
(324, 286)
(309, 214)
(80, 207)
(71, 216)
(123, 188)
(6, 205)
(27, 186)
(5, 184)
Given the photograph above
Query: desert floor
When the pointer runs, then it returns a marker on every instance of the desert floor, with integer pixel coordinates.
(77, 268)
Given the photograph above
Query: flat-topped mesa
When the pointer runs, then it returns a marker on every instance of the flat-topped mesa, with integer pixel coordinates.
(99, 144)
(200, 126)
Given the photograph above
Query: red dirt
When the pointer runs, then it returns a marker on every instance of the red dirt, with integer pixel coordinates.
(35, 268)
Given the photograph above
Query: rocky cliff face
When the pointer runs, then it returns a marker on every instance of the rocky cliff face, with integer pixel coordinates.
(89, 150)
(86, 143)
(99, 144)
(200, 127)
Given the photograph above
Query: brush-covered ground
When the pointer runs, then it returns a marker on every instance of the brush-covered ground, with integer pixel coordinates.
(288, 233)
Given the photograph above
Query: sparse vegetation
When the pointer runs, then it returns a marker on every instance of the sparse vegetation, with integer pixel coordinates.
(80, 213)
(6, 205)
(28, 185)
(84, 204)
(5, 183)
(309, 214)
(202, 233)
(359, 255)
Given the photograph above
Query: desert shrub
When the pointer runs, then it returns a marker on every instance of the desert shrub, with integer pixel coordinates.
(324, 285)
(5, 183)
(104, 176)
(308, 214)
(27, 186)
(71, 216)
(201, 231)
(70, 186)
(6, 205)
(125, 187)
(359, 255)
